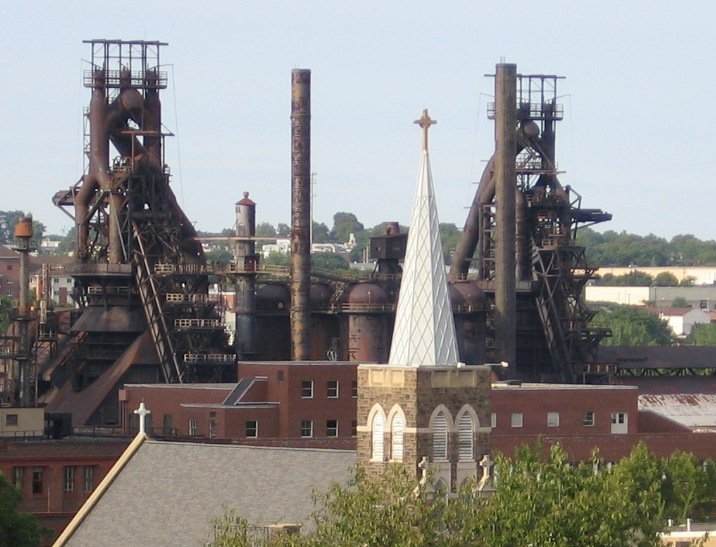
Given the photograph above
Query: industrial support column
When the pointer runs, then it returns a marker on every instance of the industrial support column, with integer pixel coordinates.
(300, 213)
(505, 190)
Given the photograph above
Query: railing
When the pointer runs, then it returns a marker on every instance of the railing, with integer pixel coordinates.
(185, 323)
(209, 357)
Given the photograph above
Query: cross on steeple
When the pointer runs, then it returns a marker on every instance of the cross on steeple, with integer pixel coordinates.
(425, 121)
(142, 411)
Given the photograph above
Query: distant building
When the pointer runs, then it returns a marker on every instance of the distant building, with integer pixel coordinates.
(682, 320)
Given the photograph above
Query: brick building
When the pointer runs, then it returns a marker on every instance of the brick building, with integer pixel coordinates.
(57, 476)
(301, 402)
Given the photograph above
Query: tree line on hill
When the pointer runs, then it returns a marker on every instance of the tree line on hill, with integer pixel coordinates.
(540, 498)
(612, 248)
(609, 248)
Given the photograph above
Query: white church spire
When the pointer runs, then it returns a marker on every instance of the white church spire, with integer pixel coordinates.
(424, 333)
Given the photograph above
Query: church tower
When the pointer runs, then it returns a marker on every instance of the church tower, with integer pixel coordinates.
(424, 406)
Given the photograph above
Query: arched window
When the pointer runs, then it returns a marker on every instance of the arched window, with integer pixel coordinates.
(440, 436)
(397, 429)
(377, 438)
(466, 430)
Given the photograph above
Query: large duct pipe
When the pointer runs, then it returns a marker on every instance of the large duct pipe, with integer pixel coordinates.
(505, 190)
(246, 281)
(300, 213)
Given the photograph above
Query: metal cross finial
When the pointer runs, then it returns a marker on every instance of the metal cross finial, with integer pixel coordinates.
(142, 411)
(425, 122)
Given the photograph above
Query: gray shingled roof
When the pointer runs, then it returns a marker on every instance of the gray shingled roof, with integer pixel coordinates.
(169, 491)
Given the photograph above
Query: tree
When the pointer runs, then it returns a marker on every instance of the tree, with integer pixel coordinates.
(679, 302)
(6, 308)
(540, 499)
(666, 279)
(284, 230)
(328, 262)
(701, 335)
(265, 229)
(449, 236)
(632, 326)
(344, 224)
(16, 529)
(320, 232)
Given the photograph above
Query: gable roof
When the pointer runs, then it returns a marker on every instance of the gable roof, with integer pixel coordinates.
(166, 493)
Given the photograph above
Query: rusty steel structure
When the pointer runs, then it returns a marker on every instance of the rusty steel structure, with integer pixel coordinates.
(300, 213)
(139, 264)
(551, 336)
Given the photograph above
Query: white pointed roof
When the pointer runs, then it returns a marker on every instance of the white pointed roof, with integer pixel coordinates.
(424, 332)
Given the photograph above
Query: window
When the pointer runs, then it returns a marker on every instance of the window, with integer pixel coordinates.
(517, 419)
(377, 437)
(354, 388)
(331, 428)
(307, 389)
(354, 428)
(17, 475)
(88, 479)
(69, 479)
(493, 420)
(588, 418)
(466, 429)
(37, 480)
(306, 428)
(332, 389)
(397, 430)
(553, 419)
(193, 427)
(212, 425)
(279, 376)
(11, 419)
(440, 437)
(252, 428)
(168, 425)
(619, 422)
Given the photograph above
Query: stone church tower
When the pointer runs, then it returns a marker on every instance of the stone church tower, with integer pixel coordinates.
(423, 403)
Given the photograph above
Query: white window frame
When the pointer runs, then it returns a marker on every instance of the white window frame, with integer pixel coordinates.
(553, 419)
(306, 389)
(193, 427)
(306, 425)
(332, 430)
(254, 427)
(517, 419)
(466, 437)
(88, 479)
(69, 479)
(397, 437)
(332, 389)
(441, 436)
(377, 429)
(493, 420)
(589, 418)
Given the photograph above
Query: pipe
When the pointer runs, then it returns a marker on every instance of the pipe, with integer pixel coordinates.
(300, 213)
(505, 215)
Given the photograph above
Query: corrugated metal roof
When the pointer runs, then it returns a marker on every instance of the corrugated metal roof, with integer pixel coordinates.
(694, 410)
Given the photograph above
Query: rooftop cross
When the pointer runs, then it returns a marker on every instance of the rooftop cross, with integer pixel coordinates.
(143, 412)
(425, 122)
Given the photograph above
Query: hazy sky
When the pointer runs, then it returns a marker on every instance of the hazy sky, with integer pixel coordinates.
(637, 139)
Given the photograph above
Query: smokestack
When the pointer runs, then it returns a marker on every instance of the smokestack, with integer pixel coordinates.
(300, 213)
(505, 190)
(246, 261)
(23, 235)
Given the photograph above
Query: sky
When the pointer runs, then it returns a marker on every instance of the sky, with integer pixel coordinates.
(638, 100)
